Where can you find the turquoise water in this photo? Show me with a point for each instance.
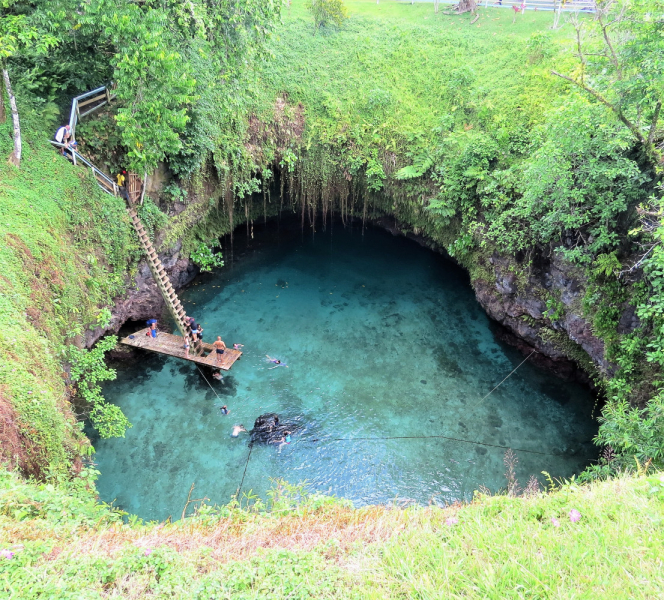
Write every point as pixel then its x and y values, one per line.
pixel 383 339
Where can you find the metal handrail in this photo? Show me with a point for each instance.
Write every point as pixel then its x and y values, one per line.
pixel 76 157
pixel 74 114
pixel 589 6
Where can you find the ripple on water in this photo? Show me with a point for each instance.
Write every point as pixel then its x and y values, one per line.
pixel 384 344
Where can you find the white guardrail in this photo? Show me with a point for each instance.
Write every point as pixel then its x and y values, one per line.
pixel 550 5
pixel 103 180
pixel 94 100
pixel 99 97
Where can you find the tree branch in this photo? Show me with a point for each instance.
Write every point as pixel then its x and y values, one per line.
pixel 607 39
pixel 595 94
pixel 653 124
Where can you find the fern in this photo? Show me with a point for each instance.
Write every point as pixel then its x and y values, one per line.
pixel 421 164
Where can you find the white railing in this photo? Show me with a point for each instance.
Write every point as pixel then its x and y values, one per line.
pixel 557 5
pixel 103 180
pixel 99 97
pixel 93 100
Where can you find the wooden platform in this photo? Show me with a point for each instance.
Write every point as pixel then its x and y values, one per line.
pixel 167 343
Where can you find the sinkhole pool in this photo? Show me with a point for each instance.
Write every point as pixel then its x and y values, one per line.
pixel 388 355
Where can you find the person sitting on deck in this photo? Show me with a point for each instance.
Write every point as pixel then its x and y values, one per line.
pixel 152 327
pixel 237 429
pixel 219 347
pixel 186 347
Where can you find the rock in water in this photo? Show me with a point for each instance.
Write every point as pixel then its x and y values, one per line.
pixel 268 428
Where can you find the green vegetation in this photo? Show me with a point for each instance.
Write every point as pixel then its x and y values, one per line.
pixel 66 248
pixel 601 541
pixel 464 134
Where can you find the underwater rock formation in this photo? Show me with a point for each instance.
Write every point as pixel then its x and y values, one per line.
pixel 269 429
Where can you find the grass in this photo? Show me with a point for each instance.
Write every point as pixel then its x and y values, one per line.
pixel 396 68
pixel 64 253
pixel 495 547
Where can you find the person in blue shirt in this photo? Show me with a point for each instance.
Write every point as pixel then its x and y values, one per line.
pixel 284 440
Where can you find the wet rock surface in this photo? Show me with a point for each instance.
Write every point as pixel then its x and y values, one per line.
pixel 520 307
pixel 143 299
pixel 269 429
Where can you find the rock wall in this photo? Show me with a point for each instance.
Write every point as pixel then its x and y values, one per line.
pixel 514 295
pixel 143 299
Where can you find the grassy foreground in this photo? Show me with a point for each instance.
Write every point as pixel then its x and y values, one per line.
pixel 597 541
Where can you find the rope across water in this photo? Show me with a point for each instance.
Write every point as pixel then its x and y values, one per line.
pixel 421 437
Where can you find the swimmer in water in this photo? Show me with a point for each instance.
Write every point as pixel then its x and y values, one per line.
pixel 284 440
pixel 224 410
pixel 238 346
pixel 276 362
pixel 237 430
pixel 218 376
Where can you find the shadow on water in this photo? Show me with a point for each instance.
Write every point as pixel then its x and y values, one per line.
pixel 388 356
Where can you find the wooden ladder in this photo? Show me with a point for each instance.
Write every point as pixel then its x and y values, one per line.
pixel 159 274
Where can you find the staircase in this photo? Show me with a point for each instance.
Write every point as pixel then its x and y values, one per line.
pixel 94 100
pixel 158 272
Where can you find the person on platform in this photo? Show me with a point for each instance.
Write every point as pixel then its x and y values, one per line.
pixel 193 327
pixel 219 348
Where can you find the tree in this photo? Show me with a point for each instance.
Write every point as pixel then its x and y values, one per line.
pixel 325 12
pixel 620 56
pixel 17 31
pixel 156 49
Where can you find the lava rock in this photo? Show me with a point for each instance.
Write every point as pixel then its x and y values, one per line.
pixel 268 428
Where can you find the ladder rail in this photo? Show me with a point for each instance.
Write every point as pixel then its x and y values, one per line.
pixel 109 186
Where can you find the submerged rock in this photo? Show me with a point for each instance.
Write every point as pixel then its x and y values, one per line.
pixel 268 428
